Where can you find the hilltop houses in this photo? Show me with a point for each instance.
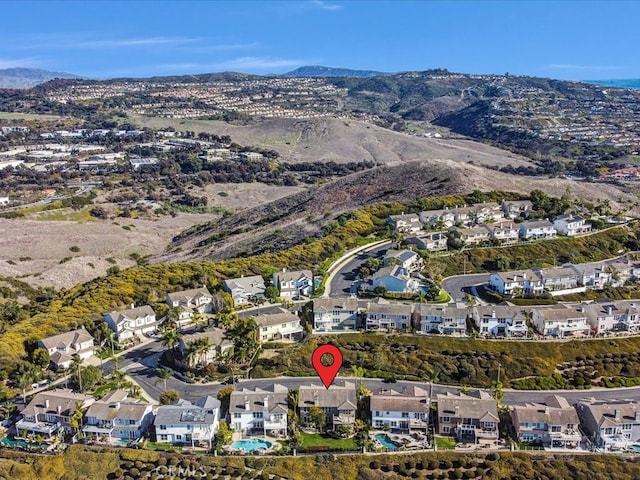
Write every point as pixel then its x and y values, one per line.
pixel 409 223
pixel 133 323
pixel 338 402
pixel 611 426
pixel 469 418
pixel 245 290
pixel 257 411
pixel 63 347
pixel 202 348
pixel 294 284
pixel 571 225
pixel 537 229
pixel 281 325
pixel 335 314
pixel 190 301
pixel 553 424
pixel 401 411
pixel 188 423
pixel 118 417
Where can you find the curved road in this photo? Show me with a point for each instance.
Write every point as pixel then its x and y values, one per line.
pixel 342 278
pixel 460 285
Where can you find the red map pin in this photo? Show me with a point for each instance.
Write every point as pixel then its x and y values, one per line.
pixel 327 372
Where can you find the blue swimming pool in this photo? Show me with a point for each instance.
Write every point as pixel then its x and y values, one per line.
pixel 10 442
pixel 251 445
pixel 386 442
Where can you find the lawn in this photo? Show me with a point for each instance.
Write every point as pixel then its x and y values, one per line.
pixel 445 443
pixel 314 440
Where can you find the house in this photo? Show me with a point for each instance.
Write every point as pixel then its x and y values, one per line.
pixel 613 316
pixel 188 423
pixel 402 411
pixel 409 223
pixel 115 417
pixel 571 225
pixel 504 232
pixel 335 314
pixel 202 348
pixel 132 323
pixel 442 319
pixel 517 208
pixel 517 282
pixel 470 418
pixel 431 242
pixel 406 259
pixel 190 301
pixel 500 320
pixel 537 229
pixel 471 236
pixel 280 325
pixel 594 276
pixel 259 411
pixel 558 280
pixel 486 212
pixel 393 279
pixel 338 402
pixel 63 347
pixel 381 314
pixel 553 424
pixel 612 426
pixel 445 218
pixel 294 284
pixel 560 321
pixel 244 290
pixel 48 413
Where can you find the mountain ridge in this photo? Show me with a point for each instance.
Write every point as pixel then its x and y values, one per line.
pixel 322 71
pixel 21 78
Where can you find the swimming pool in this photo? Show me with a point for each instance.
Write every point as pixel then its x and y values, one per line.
pixel 386 442
pixel 251 445
pixel 9 442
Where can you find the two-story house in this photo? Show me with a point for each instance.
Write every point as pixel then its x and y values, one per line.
pixel 518 282
pixel 131 323
pixel 611 426
pixel 571 225
pixel 432 242
pixel 517 208
pixel 383 315
pixel 441 319
pixel 201 348
pixel 338 402
pixel 63 347
pixel 537 229
pixel 503 232
pixel 403 410
pixel 470 418
pixel 117 417
pixel 486 212
pixel 555 280
pixel 259 411
pixel 335 314
pixel 405 223
pixel 500 320
pixel 244 290
pixel 279 325
pixel 561 321
pixel 472 235
pixel 294 284
pixel 553 424
pixel 188 423
pixel 442 218
pixel 393 279
pixel 406 259
pixel 48 413
pixel 190 301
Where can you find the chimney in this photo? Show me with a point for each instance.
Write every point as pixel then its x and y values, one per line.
pixel 609 310
pixel 457 410
pixel 116 405
pixel 59 409
pixel 133 305
pixel 266 403
pixel 616 414
pixel 246 404
pixel 636 415
pixel 546 410
pixel 46 403
pixel 493 314
pixel 524 276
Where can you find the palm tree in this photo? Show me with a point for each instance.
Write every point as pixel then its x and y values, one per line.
pixel 171 320
pixel 76 365
pixel 171 339
pixel 198 320
pixel 244 337
pixel 118 377
pixel 75 420
pixel 165 373
pixel 197 351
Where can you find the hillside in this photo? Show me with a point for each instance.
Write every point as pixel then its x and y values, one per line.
pixel 28 77
pixel 320 71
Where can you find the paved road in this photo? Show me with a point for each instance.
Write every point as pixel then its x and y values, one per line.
pixel 345 275
pixel 460 285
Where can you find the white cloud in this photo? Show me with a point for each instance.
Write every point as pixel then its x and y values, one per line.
pixel 222 47
pixel 325 6
pixel 132 42
pixel 566 66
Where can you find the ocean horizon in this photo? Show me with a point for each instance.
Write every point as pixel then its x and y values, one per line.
pixel 622 83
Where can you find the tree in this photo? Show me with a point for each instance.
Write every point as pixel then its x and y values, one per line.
pixel 171 339
pixel 164 373
pixel 90 376
pixel 498 393
pixel 40 357
pixel 197 351
pixel 244 337
pixel 223 435
pixel 272 293
pixel 76 365
pixel 318 418
pixel 502 263
pixel 169 397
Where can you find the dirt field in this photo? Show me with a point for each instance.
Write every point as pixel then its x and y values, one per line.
pixel 340 140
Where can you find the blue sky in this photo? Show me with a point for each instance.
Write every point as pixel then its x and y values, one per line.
pixel 559 39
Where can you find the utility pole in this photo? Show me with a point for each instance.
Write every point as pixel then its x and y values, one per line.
pixel 499 365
